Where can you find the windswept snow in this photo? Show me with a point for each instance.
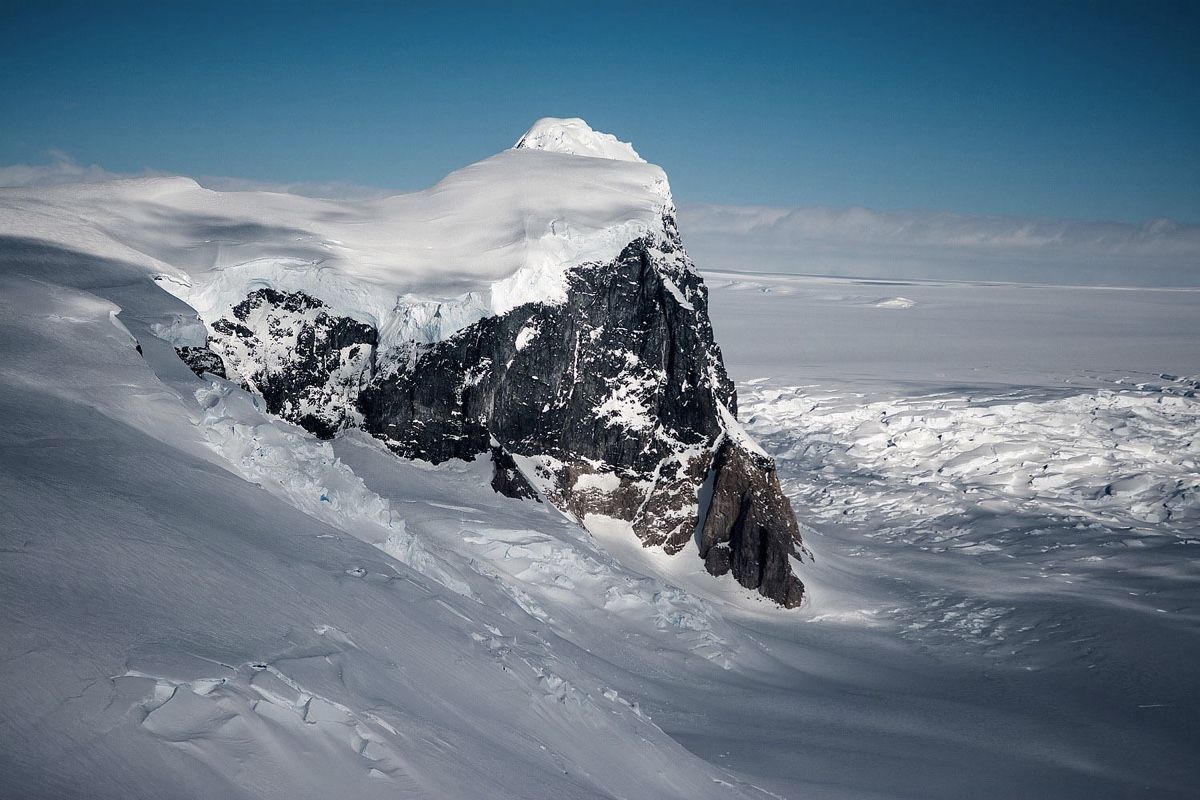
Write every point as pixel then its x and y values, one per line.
pixel 418 266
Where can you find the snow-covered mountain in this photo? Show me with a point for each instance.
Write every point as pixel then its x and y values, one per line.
pixel 537 306
pixel 207 600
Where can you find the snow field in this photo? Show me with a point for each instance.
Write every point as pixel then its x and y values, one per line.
pixel 192 607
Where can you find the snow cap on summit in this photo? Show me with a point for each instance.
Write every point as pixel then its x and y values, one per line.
pixel 575 137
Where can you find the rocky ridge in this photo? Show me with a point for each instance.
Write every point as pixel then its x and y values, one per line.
pixel 613 404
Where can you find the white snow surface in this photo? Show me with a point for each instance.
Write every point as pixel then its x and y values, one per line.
pixel 419 266
pixel 204 601
pixel 575 137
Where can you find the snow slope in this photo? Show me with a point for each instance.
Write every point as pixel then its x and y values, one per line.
pixel 202 601
pixel 417 266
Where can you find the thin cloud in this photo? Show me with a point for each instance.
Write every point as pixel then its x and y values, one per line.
pixel 855 242
pixel 914 244
pixel 62 169
pixel 328 190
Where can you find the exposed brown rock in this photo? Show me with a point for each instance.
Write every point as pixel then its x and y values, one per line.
pixel 750 529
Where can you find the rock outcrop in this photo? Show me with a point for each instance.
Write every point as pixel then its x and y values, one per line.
pixel 201 360
pixel 613 395
pixel 614 404
pixel 308 365
pixel 608 399
pixel 747 515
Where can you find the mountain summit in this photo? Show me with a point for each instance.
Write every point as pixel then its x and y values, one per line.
pixel 575 137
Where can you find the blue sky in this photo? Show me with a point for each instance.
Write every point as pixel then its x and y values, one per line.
pixel 1072 110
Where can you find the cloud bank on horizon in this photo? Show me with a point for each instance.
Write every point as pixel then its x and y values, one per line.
pixel 860 242
pixel 850 242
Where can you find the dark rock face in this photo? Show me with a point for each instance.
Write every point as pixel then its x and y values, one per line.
pixel 507 478
pixel 308 365
pixel 747 513
pixel 200 360
pixel 614 403
pixel 623 379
